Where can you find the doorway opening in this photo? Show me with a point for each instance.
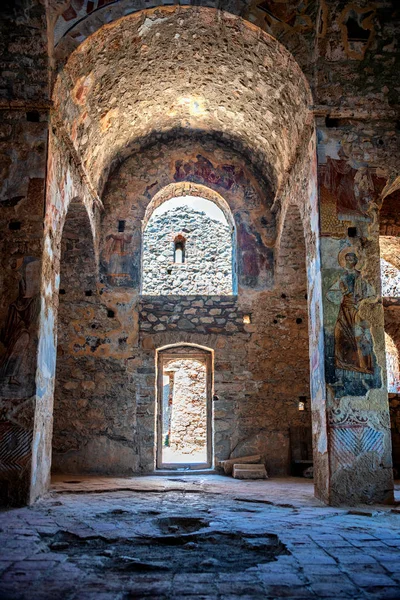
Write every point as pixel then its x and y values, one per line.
pixel 184 416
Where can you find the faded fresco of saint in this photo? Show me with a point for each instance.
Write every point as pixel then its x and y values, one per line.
pixel 21 318
pixel 116 253
pixel 352 338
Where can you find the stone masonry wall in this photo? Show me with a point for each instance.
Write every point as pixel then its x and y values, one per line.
pixel 207 266
pixel 260 368
pixel 189 407
pixel 202 314
pixel 390 278
pixel 24 106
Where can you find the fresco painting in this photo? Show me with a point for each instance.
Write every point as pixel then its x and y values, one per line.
pixel 16 444
pixel 352 435
pixel 117 260
pixel 19 332
pixel 350 362
pixel 353 345
pixel 201 170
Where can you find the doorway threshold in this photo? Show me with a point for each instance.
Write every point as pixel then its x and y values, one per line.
pixel 184 471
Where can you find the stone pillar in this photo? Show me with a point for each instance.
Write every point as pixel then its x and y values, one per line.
pixel 359 446
pixel 24 112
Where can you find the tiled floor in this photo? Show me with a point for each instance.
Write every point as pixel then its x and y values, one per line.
pixel 200 537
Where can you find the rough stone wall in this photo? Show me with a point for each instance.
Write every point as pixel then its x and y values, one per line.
pixel 232 102
pixel 204 162
pixel 389 223
pixel 203 314
pixel 355 101
pixel 189 407
pixel 24 105
pixel 390 278
pixel 79 420
pixel 261 368
pixel 207 266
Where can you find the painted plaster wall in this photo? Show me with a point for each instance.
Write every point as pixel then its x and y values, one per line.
pixel 64 184
pixel 23 153
pixel 354 358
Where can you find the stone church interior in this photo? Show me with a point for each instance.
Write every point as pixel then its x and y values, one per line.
pixel 200 299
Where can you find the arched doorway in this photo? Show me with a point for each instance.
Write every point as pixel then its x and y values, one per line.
pixel 389 243
pixel 188 135
pixel 77 419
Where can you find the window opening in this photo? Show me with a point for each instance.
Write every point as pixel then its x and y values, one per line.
pixel 188 249
pixel 179 250
pixel 392 366
pixel 390 266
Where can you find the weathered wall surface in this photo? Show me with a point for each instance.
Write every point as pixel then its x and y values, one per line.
pixel 261 368
pixel 79 420
pixel 209 164
pixel 358 148
pixel 350 55
pixel 64 184
pixel 24 105
pixel 240 105
pixel 188 416
pixel 203 314
pixel 207 248
pixel 353 315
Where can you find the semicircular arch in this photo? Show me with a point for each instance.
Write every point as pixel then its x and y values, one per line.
pixel 133 79
pixel 183 189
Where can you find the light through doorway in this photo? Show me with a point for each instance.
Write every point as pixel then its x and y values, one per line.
pixel 184 408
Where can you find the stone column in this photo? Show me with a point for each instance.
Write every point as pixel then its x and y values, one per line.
pixel 359 445
pixel 24 115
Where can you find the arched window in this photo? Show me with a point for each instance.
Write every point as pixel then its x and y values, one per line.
pixel 188 248
pixel 392 365
pixel 179 250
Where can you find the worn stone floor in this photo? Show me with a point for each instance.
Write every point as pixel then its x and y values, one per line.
pixel 196 536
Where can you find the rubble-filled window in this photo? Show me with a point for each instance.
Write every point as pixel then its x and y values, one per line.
pixel 188 249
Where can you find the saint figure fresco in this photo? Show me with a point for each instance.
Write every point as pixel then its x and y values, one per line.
pixel 116 253
pixel 352 339
pixel 21 318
